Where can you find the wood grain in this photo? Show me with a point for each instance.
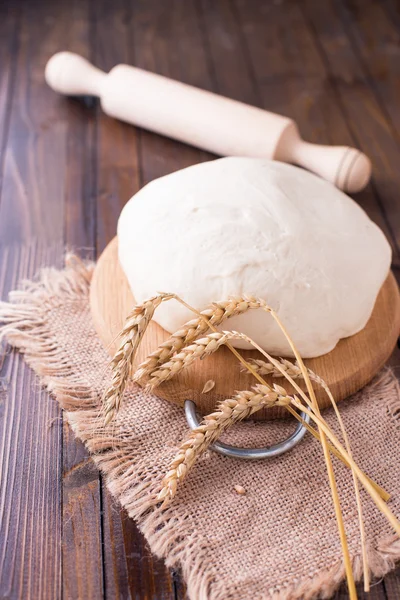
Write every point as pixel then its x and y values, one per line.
pixel 82 536
pixel 346 369
pixel 82 520
pixel 34 165
pixel 131 571
pixel 377 50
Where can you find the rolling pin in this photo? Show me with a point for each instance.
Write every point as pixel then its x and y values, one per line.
pixel 203 119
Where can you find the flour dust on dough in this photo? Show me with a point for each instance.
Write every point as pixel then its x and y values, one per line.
pixel 242 225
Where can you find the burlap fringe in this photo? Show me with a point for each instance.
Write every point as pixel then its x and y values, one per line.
pixel 25 326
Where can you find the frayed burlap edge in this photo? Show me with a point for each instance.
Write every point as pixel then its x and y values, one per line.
pixel 25 325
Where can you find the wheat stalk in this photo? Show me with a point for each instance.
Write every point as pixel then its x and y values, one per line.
pixel 211 317
pixel 325 448
pixel 264 368
pixel 228 412
pixel 121 365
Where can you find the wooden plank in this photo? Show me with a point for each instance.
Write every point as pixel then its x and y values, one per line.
pixel 136 572
pixel 30 459
pixel 147 574
pixel 179 587
pixel 82 536
pixel 31 480
pixel 9 30
pixel 33 183
pixel 232 72
pixel 375 40
pixel 117 143
pixel 367 122
pixel 391 8
pixel 280 46
pixel 46 165
pixel 115 561
pixel 166 39
pixel 82 539
pixel 81 158
pixel 129 569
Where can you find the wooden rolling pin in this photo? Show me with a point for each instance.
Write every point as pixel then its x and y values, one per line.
pixel 214 123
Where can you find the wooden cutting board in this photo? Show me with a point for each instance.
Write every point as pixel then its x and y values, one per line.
pixel 346 369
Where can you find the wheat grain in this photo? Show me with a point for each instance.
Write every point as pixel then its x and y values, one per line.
pixel 208 386
pixel 121 364
pixel 214 315
pixel 228 412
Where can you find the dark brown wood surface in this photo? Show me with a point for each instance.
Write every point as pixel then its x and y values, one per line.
pixel 66 170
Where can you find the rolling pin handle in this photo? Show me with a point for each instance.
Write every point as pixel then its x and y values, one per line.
pixel 71 74
pixel 347 168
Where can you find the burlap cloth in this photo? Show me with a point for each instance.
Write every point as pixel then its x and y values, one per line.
pixel 279 540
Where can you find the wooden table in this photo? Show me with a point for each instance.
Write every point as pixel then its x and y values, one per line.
pixel 66 170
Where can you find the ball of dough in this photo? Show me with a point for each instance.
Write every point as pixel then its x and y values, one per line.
pixel 242 225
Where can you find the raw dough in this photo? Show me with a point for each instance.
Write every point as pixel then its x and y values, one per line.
pixel 243 225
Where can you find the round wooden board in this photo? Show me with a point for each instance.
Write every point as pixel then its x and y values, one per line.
pixel 346 369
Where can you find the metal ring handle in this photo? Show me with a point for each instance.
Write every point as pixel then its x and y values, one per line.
pixel 249 453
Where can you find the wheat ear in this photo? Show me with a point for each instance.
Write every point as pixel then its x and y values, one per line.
pixel 228 412
pixel 264 368
pixel 208 345
pixel 186 356
pixel 214 315
pixel 130 337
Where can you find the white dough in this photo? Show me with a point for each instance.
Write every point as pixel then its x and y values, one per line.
pixel 243 225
